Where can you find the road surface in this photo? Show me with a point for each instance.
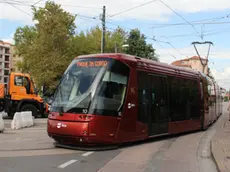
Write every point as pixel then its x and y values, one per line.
pixel 31 150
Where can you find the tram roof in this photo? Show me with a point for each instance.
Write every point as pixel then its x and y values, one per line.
pixel 136 59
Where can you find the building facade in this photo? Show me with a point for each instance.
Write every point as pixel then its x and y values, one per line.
pixel 193 63
pixel 15 60
pixel 5 61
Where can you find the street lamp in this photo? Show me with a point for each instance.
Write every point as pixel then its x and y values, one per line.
pixel 123 46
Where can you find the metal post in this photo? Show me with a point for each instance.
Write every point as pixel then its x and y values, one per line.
pixel 103 31
pixel 115 47
pixel 204 64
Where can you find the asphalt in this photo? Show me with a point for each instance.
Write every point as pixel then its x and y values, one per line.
pixel 51 163
pixel 31 149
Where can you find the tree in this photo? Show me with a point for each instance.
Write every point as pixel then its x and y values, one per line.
pixel 138 46
pixel 115 40
pixel 44 46
pixel 52 43
pixel 90 41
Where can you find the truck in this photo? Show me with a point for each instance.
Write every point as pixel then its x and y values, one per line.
pixel 20 94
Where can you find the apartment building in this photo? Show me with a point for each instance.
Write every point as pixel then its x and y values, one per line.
pixel 15 60
pixel 193 63
pixel 5 61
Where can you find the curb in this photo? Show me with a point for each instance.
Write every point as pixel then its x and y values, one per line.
pixel 214 159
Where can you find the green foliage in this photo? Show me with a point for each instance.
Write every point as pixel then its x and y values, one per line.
pixel 44 46
pixel 139 47
pixel 51 44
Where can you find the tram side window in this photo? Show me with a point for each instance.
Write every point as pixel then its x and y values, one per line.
pixel 184 99
pixel 210 99
pixel 143 99
pixel 110 95
pixel 201 91
pixel 194 98
pixel 175 100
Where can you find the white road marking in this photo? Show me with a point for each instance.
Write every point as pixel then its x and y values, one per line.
pixel 87 154
pixel 67 163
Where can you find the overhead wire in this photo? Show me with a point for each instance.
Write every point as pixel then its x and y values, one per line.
pixel 94 18
pixel 132 8
pixel 167 51
pixel 216 32
pixel 37 2
pixel 18 8
pixel 181 17
pixel 195 22
pixel 200 23
pixel 29 3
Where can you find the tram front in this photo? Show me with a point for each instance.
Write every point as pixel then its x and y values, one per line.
pixel 88 102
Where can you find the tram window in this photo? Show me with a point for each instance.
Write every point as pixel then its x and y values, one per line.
pixel 175 100
pixel 184 97
pixel 153 97
pixel 143 99
pixel 111 91
pixel 201 91
pixel 194 98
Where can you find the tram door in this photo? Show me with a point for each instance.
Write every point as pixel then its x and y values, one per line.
pixel 159 106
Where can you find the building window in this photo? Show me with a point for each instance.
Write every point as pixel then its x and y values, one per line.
pixel 7 51
pixel 7 58
pixel 7 65
pixel 6 72
pixel 5 79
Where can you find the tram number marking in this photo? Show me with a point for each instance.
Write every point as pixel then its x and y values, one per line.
pixel 85 111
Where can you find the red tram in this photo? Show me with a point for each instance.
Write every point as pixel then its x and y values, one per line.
pixel 117 98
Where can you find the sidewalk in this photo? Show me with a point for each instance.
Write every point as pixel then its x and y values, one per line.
pixel 33 138
pixel 220 147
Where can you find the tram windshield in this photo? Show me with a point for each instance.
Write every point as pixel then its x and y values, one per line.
pixel 92 85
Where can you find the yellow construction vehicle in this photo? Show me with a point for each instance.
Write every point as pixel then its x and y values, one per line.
pixel 20 94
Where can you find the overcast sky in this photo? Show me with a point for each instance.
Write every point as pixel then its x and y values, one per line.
pixel 153 18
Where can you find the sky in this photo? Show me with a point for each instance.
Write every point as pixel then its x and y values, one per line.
pixel 169 25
